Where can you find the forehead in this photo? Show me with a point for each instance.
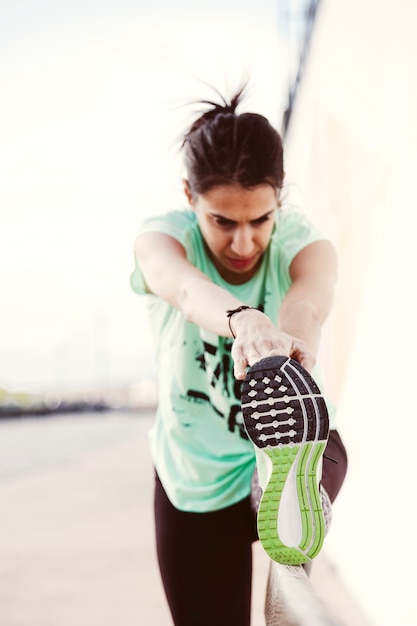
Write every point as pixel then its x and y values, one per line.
pixel 236 202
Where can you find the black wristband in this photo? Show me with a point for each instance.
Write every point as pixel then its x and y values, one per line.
pixel 232 312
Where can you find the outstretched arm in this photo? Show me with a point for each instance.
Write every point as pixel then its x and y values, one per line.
pixel 310 297
pixel 305 307
pixel 169 275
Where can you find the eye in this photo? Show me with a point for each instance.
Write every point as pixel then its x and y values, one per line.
pixel 261 220
pixel 224 222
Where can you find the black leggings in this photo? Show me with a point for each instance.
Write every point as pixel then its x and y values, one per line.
pixel 205 559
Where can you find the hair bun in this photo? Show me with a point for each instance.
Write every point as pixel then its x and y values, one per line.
pixel 225 148
pixel 216 109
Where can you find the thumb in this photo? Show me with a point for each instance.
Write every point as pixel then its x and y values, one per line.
pixel 240 368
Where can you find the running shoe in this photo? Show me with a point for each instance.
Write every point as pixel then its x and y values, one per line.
pixel 286 419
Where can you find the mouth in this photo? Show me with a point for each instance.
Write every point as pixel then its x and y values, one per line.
pixel 242 263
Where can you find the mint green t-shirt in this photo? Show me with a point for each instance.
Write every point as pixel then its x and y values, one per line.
pixel 198 442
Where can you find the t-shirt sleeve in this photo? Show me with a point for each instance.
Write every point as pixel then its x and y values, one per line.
pixel 176 224
pixel 293 233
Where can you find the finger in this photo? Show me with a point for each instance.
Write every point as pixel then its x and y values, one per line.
pixel 276 352
pixel 282 347
pixel 304 357
pixel 308 362
pixel 240 364
pixel 253 358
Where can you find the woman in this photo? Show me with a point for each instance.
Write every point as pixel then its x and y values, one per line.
pixel 230 281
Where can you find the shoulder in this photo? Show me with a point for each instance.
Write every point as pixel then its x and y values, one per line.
pixel 178 224
pixel 294 231
pixel 292 223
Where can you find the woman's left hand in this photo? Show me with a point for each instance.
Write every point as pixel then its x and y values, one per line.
pixel 257 337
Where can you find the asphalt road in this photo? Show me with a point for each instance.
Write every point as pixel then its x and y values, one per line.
pixel 76 527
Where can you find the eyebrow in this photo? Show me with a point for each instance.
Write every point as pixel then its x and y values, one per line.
pixel 258 219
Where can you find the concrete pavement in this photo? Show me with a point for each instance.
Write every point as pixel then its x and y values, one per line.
pixel 76 528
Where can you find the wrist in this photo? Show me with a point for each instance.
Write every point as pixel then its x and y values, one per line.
pixel 233 314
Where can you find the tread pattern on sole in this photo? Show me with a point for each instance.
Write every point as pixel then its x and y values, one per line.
pixel 286 417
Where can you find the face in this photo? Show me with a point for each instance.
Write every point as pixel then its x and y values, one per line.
pixel 236 224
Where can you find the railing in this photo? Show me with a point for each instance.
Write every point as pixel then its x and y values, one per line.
pixel 291 599
pixel 297 19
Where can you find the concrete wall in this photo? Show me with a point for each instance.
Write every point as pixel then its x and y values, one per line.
pixel 351 160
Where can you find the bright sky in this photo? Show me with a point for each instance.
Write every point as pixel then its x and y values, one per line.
pixel 90 109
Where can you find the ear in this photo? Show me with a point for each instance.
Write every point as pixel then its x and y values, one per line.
pixel 188 192
pixel 280 198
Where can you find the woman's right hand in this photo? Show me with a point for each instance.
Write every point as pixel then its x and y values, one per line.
pixel 257 337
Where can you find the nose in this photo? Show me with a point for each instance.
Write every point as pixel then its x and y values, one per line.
pixel 242 243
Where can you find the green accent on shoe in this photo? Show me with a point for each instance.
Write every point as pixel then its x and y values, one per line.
pixel 312 521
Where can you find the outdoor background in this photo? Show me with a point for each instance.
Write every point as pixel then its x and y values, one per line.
pixel 94 99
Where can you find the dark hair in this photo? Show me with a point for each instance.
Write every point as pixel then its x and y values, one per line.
pixel 223 147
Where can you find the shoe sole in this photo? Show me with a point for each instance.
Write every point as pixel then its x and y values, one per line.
pixel 286 418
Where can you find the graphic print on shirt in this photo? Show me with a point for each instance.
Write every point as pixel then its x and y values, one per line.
pixel 224 390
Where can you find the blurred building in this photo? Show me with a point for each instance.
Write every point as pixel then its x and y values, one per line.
pixel 351 147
